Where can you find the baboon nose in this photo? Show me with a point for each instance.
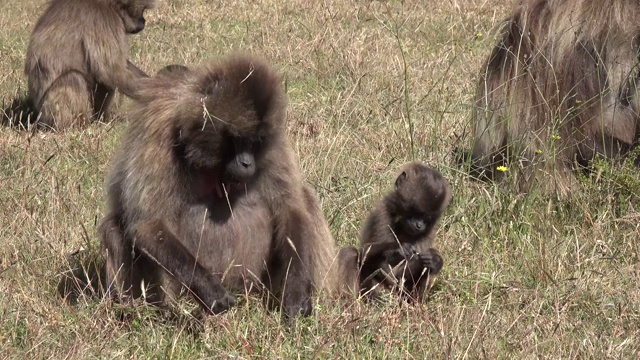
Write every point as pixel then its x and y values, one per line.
pixel 246 163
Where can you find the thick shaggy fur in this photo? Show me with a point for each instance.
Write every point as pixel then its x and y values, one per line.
pixel 77 58
pixel 190 223
pixel 559 88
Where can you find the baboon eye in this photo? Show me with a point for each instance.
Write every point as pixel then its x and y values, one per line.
pixel 260 139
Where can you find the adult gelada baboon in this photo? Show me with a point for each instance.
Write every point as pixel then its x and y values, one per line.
pixel 559 88
pixel 396 241
pixel 206 194
pixel 78 56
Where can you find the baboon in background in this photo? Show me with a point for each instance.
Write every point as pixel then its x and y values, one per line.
pixel 206 195
pixel 396 241
pixel 78 56
pixel 559 88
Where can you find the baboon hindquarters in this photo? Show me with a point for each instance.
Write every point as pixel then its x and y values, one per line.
pixel 65 104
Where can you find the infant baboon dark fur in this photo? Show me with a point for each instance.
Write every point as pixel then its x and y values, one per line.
pixel 206 194
pixel 78 56
pixel 559 88
pixel 396 241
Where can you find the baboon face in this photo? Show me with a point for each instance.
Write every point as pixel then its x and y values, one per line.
pixel 132 13
pixel 230 145
pixel 420 195
pixel 240 163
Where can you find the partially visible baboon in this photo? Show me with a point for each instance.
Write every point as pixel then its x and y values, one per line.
pixel 396 241
pixel 78 56
pixel 206 194
pixel 559 88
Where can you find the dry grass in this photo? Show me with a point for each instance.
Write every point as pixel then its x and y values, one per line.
pixel 371 85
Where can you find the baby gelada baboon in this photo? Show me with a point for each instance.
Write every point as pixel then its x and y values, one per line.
pixel 206 194
pixel 396 241
pixel 78 56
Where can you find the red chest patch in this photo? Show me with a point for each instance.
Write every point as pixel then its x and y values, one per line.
pixel 210 184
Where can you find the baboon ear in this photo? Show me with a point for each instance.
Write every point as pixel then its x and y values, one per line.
pixel 401 179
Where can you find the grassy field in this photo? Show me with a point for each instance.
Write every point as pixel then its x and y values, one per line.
pixel 371 85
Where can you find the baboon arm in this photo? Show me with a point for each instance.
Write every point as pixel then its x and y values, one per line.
pixel 155 240
pixel 136 70
pixel 108 61
pixel 374 256
pixel 122 77
pixel 118 254
pixel 294 238
pixel 376 252
pixel 379 247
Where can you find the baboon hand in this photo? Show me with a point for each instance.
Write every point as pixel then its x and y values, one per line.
pixel 297 303
pixel 431 260
pixel 222 304
pixel 408 250
pixel 404 252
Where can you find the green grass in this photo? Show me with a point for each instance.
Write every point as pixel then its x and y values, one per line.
pixel 371 85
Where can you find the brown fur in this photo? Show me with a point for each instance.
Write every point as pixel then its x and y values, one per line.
pixel 182 200
pixel 173 70
pixel 396 241
pixel 559 88
pixel 77 58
